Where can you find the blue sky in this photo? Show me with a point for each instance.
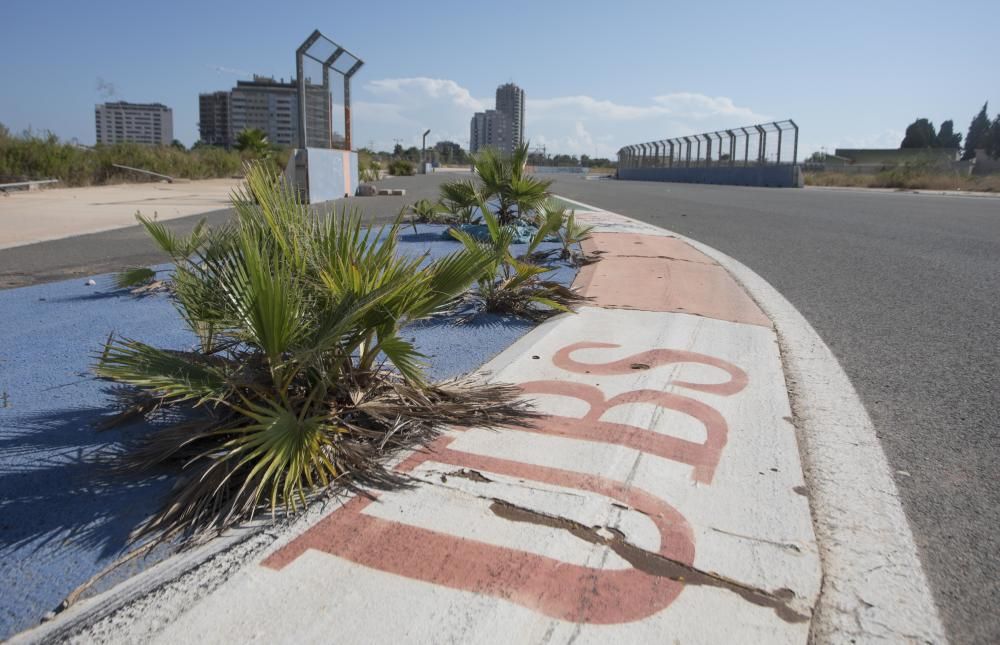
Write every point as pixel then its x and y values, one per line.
pixel 597 75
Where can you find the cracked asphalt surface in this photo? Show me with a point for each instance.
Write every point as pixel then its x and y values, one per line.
pixel 902 287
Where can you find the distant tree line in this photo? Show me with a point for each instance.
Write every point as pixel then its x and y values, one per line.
pixel 571 161
pixel 982 133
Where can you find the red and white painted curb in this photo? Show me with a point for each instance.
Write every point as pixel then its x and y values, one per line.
pixel 662 499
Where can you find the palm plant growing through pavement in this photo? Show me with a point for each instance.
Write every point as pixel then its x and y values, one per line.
pixel 288 392
pixel 510 285
pixel 424 211
pixel 572 235
pixel 503 182
pixel 506 195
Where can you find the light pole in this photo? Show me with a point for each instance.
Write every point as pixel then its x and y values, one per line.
pixel 423 153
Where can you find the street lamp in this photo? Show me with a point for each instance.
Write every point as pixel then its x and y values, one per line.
pixel 423 153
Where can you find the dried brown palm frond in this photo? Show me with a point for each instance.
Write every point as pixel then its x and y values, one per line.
pixel 368 423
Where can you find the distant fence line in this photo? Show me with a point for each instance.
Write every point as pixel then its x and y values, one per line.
pixel 542 170
pixel 771 143
pixel 765 154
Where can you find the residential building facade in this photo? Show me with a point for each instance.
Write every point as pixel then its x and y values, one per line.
pixel 510 101
pixel 270 106
pixel 213 119
pixel 489 129
pixel 265 104
pixel 503 127
pixel 146 123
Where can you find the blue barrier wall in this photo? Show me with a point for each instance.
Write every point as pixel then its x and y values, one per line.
pixel 779 176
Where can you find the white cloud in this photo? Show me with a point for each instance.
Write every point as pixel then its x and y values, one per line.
pixel 428 89
pixel 699 106
pixel 588 107
pixel 404 107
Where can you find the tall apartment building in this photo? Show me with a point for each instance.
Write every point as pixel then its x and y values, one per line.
pixel 503 127
pixel 120 122
pixel 213 119
pixel 489 129
pixel 265 104
pixel 510 101
pixel 270 106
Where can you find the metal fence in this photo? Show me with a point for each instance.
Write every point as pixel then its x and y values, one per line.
pixel 774 143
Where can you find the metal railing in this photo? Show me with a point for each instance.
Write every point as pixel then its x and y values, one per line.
pixel 774 143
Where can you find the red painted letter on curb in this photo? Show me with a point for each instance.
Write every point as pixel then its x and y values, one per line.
pixel 650 359
pixel 558 589
pixel 704 458
pixel 555 588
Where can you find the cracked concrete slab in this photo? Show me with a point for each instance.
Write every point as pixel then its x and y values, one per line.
pixel 691 287
pixel 641 245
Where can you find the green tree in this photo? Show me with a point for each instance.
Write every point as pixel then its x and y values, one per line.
pixel 920 134
pixel 947 137
pixel 994 141
pixel 253 142
pixel 979 133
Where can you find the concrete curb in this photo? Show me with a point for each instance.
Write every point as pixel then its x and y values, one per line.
pixel 874 586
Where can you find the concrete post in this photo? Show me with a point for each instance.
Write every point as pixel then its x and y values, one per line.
pixel 795 147
pixel 778 160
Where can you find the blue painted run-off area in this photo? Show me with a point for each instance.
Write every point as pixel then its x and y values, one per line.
pixel 62 519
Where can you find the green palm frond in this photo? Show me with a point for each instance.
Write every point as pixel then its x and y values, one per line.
pixel 550 221
pixel 461 193
pixel 134 277
pixel 284 453
pixel 177 247
pixel 172 375
pixel 403 356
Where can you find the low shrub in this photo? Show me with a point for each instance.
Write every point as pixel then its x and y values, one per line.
pixel 44 156
pixel 904 178
pixel 401 167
